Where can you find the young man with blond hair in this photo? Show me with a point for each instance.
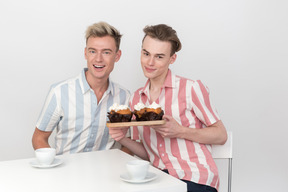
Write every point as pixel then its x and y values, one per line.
pixel 76 108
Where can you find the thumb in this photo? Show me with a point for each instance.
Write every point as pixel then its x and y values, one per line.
pixel 167 117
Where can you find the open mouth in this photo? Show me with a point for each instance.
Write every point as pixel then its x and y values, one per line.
pixel 98 66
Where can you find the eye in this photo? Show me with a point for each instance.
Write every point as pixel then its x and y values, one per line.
pixel 107 52
pixel 92 51
pixel 159 57
pixel 145 53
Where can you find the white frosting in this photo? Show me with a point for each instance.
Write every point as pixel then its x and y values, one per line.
pixel 117 107
pixel 139 106
pixel 122 107
pixel 154 105
pixel 113 107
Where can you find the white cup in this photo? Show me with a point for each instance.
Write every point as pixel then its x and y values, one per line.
pixel 45 156
pixel 137 169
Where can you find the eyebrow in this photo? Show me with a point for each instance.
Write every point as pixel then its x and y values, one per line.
pixel 158 54
pixel 90 48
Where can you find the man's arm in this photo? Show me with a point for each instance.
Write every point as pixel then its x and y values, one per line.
pixel 213 134
pixel 135 147
pixel 126 150
pixel 40 139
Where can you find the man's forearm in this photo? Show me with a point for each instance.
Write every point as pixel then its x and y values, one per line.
pixel 40 144
pixel 135 147
pixel 40 139
pixel 214 134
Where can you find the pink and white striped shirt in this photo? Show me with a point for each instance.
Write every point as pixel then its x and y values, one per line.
pixel 188 102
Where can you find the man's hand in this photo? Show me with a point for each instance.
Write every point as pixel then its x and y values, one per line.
pixel 170 129
pixel 118 133
pixel 212 134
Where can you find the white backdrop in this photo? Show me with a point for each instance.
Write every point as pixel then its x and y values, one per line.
pixel 238 48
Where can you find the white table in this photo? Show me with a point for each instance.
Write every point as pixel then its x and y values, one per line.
pixel 93 171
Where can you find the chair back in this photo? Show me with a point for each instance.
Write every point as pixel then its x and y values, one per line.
pixel 225 152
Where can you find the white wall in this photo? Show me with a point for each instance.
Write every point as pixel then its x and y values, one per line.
pixel 238 48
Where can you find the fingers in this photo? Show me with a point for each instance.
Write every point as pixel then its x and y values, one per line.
pixel 158 126
pixel 118 133
pixel 167 117
pixel 118 137
pixel 163 134
pixel 161 130
pixel 117 129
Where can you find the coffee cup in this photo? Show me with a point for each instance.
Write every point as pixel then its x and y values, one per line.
pixel 137 169
pixel 45 156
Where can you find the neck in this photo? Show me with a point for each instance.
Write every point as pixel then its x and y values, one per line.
pixel 157 83
pixel 99 86
pixel 155 87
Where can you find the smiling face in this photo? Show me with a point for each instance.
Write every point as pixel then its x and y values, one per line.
pixel 155 58
pixel 101 54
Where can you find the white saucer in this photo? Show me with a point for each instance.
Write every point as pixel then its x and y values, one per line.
pixel 149 177
pixel 56 162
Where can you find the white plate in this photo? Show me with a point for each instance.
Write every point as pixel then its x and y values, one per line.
pixel 56 162
pixel 149 177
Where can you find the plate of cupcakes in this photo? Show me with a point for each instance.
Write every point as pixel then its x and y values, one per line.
pixel 121 115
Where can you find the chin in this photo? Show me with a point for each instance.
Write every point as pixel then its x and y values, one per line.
pixel 148 75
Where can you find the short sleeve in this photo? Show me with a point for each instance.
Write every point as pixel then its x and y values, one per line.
pixel 50 115
pixel 202 105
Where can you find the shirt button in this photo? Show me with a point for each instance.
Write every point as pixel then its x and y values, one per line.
pixel 162 154
pixel 92 135
pixel 160 145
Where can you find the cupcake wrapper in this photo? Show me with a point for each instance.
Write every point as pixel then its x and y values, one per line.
pixel 149 116
pixel 142 118
pixel 116 117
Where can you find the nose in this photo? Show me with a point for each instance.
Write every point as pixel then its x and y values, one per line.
pixel 98 57
pixel 151 61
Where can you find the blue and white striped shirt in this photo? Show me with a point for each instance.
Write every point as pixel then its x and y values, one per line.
pixel 71 107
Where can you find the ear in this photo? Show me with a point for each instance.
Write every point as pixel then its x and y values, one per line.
pixel 118 55
pixel 173 58
pixel 85 53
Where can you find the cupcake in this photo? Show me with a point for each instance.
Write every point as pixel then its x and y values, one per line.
pixel 119 113
pixel 139 112
pixel 154 112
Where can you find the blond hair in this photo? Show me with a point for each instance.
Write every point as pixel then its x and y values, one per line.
pixel 102 29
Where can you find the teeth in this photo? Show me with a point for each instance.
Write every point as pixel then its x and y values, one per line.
pixel 97 66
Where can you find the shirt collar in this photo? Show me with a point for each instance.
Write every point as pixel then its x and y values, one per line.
pixel 110 88
pixel 83 81
pixel 86 87
pixel 168 83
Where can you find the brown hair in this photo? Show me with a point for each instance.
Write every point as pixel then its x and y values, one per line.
pixel 102 29
pixel 164 33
